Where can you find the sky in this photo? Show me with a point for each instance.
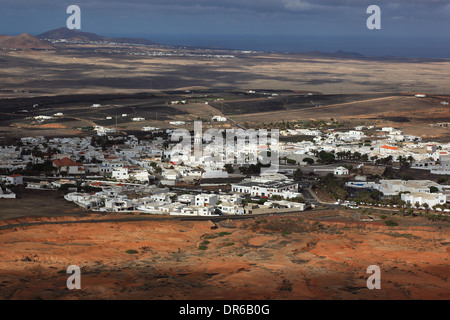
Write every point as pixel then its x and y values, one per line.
pixel 408 27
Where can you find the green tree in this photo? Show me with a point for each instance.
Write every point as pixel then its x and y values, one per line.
pixel 326 157
pixel 291 161
pixel 229 168
pixel 433 189
pixel 309 161
pixel 376 195
pixel 298 173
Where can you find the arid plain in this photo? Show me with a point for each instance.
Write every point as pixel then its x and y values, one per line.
pixel 303 256
pixel 357 89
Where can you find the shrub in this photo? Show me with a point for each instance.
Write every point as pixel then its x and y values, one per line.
pixel 391 223
pixel 131 251
pixel 223 233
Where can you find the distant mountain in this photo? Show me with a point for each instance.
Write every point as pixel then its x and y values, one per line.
pixel 24 41
pixel 341 53
pixel 69 35
pixel 80 36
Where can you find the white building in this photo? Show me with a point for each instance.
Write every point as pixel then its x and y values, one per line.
pixel 286 204
pixel 197 211
pixel 14 179
pixel 421 197
pixel 119 204
pixel 177 123
pixel 219 119
pixel 120 174
pixel 103 131
pixel 7 194
pixel 394 187
pixel 147 129
pixel 205 200
pixel 140 175
pixel 341 171
pixel 152 207
pixel 84 200
pixel 171 174
pixel 230 208
pixel 285 189
pixel 186 199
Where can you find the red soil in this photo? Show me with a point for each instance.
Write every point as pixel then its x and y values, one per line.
pixel 273 258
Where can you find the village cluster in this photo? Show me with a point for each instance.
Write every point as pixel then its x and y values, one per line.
pixel 116 173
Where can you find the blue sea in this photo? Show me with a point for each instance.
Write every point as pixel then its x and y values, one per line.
pixel 414 47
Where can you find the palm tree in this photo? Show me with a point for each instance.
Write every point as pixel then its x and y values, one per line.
pixel 410 159
pixel 417 205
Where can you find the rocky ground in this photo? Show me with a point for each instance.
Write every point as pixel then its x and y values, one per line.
pixel 276 258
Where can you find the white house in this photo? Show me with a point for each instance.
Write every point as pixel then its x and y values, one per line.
pixel 230 198
pixel 421 197
pixel 163 197
pixel 197 211
pixel 206 200
pixel 266 189
pixel 172 209
pixel 119 204
pixel 153 207
pixel 14 179
pixel 219 119
pixel 186 199
pixel 7 194
pixel 171 174
pixel 177 123
pixel 341 171
pixel 286 204
pixel 120 173
pixel 149 129
pixel 84 200
pixel 394 187
pixel 140 175
pixel 230 208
